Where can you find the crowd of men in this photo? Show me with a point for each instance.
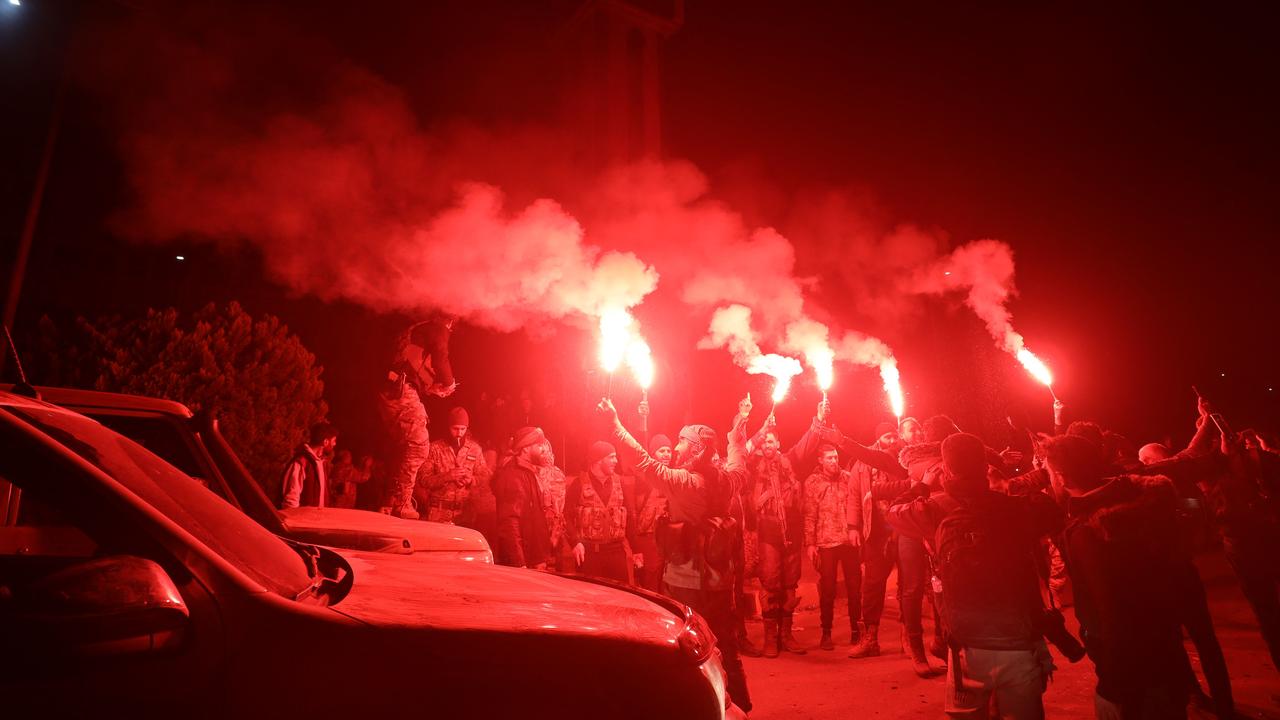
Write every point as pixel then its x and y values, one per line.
pixel 997 541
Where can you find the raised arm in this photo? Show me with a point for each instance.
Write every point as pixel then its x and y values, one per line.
pixel 669 477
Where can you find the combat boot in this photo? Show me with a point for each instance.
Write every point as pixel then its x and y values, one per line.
pixel 746 647
pixel 406 511
pixel 919 658
pixel 770 638
pixel 855 632
pixel 869 644
pixel 825 643
pixel 787 640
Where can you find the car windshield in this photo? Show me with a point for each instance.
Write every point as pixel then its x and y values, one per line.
pixel 262 556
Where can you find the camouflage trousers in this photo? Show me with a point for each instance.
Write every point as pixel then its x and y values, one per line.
pixel 406 420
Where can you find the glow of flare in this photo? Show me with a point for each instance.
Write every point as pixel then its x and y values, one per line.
pixel 615 337
pixel 640 360
pixel 893 387
pixel 821 359
pixel 781 367
pixel 1035 366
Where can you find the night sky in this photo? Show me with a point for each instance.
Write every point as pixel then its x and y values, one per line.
pixel 1128 156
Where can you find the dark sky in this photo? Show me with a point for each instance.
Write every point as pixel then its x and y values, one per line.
pixel 1128 155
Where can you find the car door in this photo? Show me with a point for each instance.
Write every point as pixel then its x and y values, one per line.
pixel 96 616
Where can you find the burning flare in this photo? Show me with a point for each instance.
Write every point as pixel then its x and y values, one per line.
pixel 781 367
pixel 640 360
pixel 1035 366
pixel 615 337
pixel 821 359
pixel 893 387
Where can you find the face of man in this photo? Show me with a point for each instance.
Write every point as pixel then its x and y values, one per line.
pixel 830 462
pixel 887 440
pixel 538 454
pixel 912 433
pixel 681 451
pixel 606 465
pixel 457 432
pixel 663 454
pixel 326 448
pixel 769 447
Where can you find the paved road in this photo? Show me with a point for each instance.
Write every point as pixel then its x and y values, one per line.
pixel 829 685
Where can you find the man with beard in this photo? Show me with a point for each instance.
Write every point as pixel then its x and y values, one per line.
pixel 651 505
pixel 454 465
pixel 304 482
pixel 523 537
pixel 777 502
pixel 419 367
pixel 599 517
pixel 698 538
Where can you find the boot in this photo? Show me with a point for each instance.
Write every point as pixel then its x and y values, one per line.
pixel 406 511
pixel 869 644
pixel 855 632
pixel 825 643
pixel 746 647
pixel 787 640
pixel 919 658
pixel 770 638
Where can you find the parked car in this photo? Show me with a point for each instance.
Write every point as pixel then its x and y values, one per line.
pixel 194 445
pixel 129 589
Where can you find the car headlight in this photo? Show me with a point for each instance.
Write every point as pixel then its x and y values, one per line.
pixel 696 639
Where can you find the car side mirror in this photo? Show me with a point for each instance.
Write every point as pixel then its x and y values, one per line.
pixel 106 606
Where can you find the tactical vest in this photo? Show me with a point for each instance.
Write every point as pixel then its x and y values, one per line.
pixel 600 521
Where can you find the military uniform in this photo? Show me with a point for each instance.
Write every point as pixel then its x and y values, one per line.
pixel 599 513
pixel 445 499
pixel 420 364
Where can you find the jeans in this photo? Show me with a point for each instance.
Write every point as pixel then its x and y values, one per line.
pixel 913 576
pixel 879 557
pixel 843 558
pixel 1014 679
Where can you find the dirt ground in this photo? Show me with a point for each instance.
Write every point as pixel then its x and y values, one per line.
pixel 827 684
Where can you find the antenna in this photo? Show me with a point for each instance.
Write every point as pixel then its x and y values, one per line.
pixel 22 387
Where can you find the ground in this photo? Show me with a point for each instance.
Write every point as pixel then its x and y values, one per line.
pixel 827 684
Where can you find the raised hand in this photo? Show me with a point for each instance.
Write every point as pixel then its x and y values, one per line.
pixel 606 408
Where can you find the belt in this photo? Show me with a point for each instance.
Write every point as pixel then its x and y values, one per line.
pixel 445 504
pixel 599 546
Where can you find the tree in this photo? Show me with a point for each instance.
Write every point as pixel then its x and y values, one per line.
pixel 261 381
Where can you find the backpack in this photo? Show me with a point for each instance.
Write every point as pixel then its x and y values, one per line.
pixel 984 562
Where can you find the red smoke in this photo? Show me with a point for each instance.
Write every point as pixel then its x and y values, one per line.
pixel 347 195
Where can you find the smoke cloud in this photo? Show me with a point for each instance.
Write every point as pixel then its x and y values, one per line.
pixel 983 270
pixel 331 174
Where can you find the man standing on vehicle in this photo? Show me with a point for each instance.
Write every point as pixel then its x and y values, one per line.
pixel 453 466
pixel 523 537
pixel 419 367
pixel 698 538
pixel 599 516
pixel 304 482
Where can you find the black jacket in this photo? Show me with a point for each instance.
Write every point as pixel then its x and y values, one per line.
pixel 1123 553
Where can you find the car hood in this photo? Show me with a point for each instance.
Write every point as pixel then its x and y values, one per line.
pixel 312 522
pixel 390 590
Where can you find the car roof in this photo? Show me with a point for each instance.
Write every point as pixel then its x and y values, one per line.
pixel 102 400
